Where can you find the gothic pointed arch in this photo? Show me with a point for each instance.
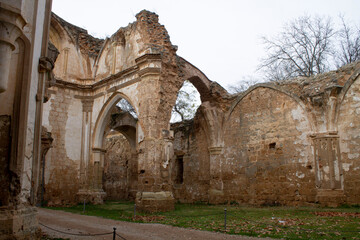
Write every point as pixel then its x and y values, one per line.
pixel 275 88
pixel 100 128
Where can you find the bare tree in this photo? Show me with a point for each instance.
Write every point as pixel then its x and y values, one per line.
pixel 349 44
pixel 303 48
pixel 243 84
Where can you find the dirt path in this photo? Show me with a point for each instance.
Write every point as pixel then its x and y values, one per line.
pixel 80 224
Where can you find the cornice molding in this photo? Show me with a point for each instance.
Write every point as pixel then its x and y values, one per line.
pixel 118 80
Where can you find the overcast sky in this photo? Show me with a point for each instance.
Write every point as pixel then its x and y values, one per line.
pixel 220 37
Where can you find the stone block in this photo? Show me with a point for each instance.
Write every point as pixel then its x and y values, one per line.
pixel 18 224
pixel 155 201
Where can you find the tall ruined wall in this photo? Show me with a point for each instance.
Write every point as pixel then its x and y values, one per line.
pixel 291 142
pixel 191 147
pixel 137 63
pixel 23 30
pixel 294 142
pixel 267 157
pixel 349 131
pixel 62 119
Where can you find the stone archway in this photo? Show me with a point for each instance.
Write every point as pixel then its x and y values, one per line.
pixel 92 148
pixel 197 78
pixel 119 177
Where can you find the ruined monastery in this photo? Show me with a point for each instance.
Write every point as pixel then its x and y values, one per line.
pixel 64 139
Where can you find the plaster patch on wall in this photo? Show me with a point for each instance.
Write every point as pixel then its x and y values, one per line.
pixel 26 179
pixel 343 144
pixel 300 174
pixel 356 98
pixel 346 166
pixel 48 166
pixel 302 126
pixel 45 118
pixel 73 130
pixel 140 134
pixel 353 155
pixel 131 90
pixel 98 104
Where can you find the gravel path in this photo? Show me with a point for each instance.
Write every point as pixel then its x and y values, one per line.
pixel 80 224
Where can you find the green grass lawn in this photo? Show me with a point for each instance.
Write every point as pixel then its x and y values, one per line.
pixel 274 222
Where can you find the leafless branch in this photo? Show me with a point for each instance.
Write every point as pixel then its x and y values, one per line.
pixel 301 49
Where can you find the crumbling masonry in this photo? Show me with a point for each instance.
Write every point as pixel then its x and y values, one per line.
pixel 63 139
pixel 294 142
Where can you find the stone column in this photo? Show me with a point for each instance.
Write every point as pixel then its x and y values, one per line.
pixel 11 27
pixel 154 191
pixel 213 127
pixel 87 105
pixel 46 144
pixel 326 147
pixel 216 192
pixel 89 171
pixel 66 59
pixel 113 68
pixel 96 190
pixel 90 168
pixel 331 98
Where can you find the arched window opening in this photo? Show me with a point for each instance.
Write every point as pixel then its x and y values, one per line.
pixel 187 102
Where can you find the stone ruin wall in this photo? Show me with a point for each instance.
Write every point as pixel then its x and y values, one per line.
pixel 190 144
pixel 86 71
pixel 349 131
pixel 267 156
pixel 62 119
pixel 263 160
pixel 25 65
pixel 268 152
pixel 255 148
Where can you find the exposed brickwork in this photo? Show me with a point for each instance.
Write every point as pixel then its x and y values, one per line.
pixel 293 142
pixel 63 179
pixel 266 153
pixel 88 44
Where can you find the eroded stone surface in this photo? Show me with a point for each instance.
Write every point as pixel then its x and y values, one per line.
pixel 293 142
